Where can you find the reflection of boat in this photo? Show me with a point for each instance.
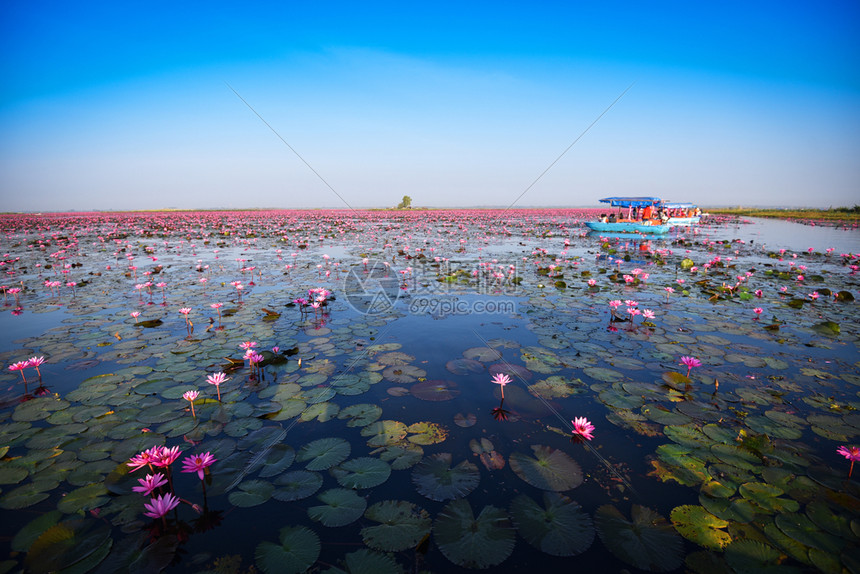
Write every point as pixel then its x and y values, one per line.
pixel 646 223
pixel 688 209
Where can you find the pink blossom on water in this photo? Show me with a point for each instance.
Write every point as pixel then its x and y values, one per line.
pixel 583 428
pixel 150 483
pixel 160 505
pixel 197 463
pixel 690 362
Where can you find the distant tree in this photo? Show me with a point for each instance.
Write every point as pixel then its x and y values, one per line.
pixel 406 203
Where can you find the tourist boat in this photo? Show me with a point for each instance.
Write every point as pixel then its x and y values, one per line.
pixel 647 206
pixel 688 210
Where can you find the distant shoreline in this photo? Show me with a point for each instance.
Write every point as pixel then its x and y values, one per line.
pixel 806 214
pixel 833 214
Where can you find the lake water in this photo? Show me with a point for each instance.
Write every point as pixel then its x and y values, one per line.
pixel 373 439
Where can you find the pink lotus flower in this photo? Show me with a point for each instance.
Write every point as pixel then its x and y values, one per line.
pixel 852 453
pixel 36 362
pixel 190 396
pixel 166 456
pixel 216 379
pixel 814 295
pixel 582 429
pixel 150 483
pixel 690 362
pixel 135 314
pixel 247 345
pixel 502 379
pixel 592 282
pixel 758 311
pixel 759 293
pixel 19 366
pixel 161 505
pixel 145 458
pixel 648 314
pixel 197 463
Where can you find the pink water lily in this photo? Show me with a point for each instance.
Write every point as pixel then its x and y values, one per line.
pixel 582 428
pixel 852 453
pixel 502 379
pixel 197 463
pixel 190 396
pixel 160 505
pixel 216 379
pixel 150 483
pixel 690 362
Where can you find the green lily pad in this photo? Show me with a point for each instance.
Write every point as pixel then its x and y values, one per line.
pixel 550 469
pixel 251 493
pixel 384 433
pixel 767 497
pixel 84 498
pixel 646 541
pixel 363 472
pixel 700 526
pixel 437 480
pixel 402 525
pixel 752 557
pixel 341 507
pixel 360 415
pixel 472 542
pixel 299 548
pixel 296 485
pixel 558 528
pixel 66 544
pixel 324 453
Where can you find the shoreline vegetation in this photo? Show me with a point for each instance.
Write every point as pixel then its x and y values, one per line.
pixel 833 214
pixel 851 214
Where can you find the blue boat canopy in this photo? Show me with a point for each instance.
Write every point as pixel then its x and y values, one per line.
pixel 631 201
pixel 676 205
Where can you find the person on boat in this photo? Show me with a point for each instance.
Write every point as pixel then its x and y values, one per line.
pixel 698 212
pixel 611 218
pixel 646 213
pixel 663 217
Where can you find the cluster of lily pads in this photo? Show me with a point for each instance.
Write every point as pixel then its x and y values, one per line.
pixel 385 431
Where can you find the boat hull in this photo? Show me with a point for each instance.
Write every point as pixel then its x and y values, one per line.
pixel 683 221
pixel 628 227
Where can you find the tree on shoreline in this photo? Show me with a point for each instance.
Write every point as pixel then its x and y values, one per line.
pixel 406 203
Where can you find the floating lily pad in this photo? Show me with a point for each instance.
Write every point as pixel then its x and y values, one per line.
pixel 425 433
pixel 84 498
pixel 559 527
pixel 251 493
pixel 465 421
pixel 340 507
pixel 363 472
pixel 296 485
pixel 360 415
pixel 402 456
pixel 324 453
pixel 402 525
pixel 403 374
pixel 384 433
pixel 465 366
pixel 438 390
pixel 66 544
pixel 482 354
pixel 472 542
pixel 366 561
pixel 437 480
pixel 646 541
pixel 299 548
pixel 550 469
pixel 700 526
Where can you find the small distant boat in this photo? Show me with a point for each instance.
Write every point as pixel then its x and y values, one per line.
pixel 691 213
pixel 645 221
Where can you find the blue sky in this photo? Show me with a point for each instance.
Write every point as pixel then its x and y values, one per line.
pixel 128 106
